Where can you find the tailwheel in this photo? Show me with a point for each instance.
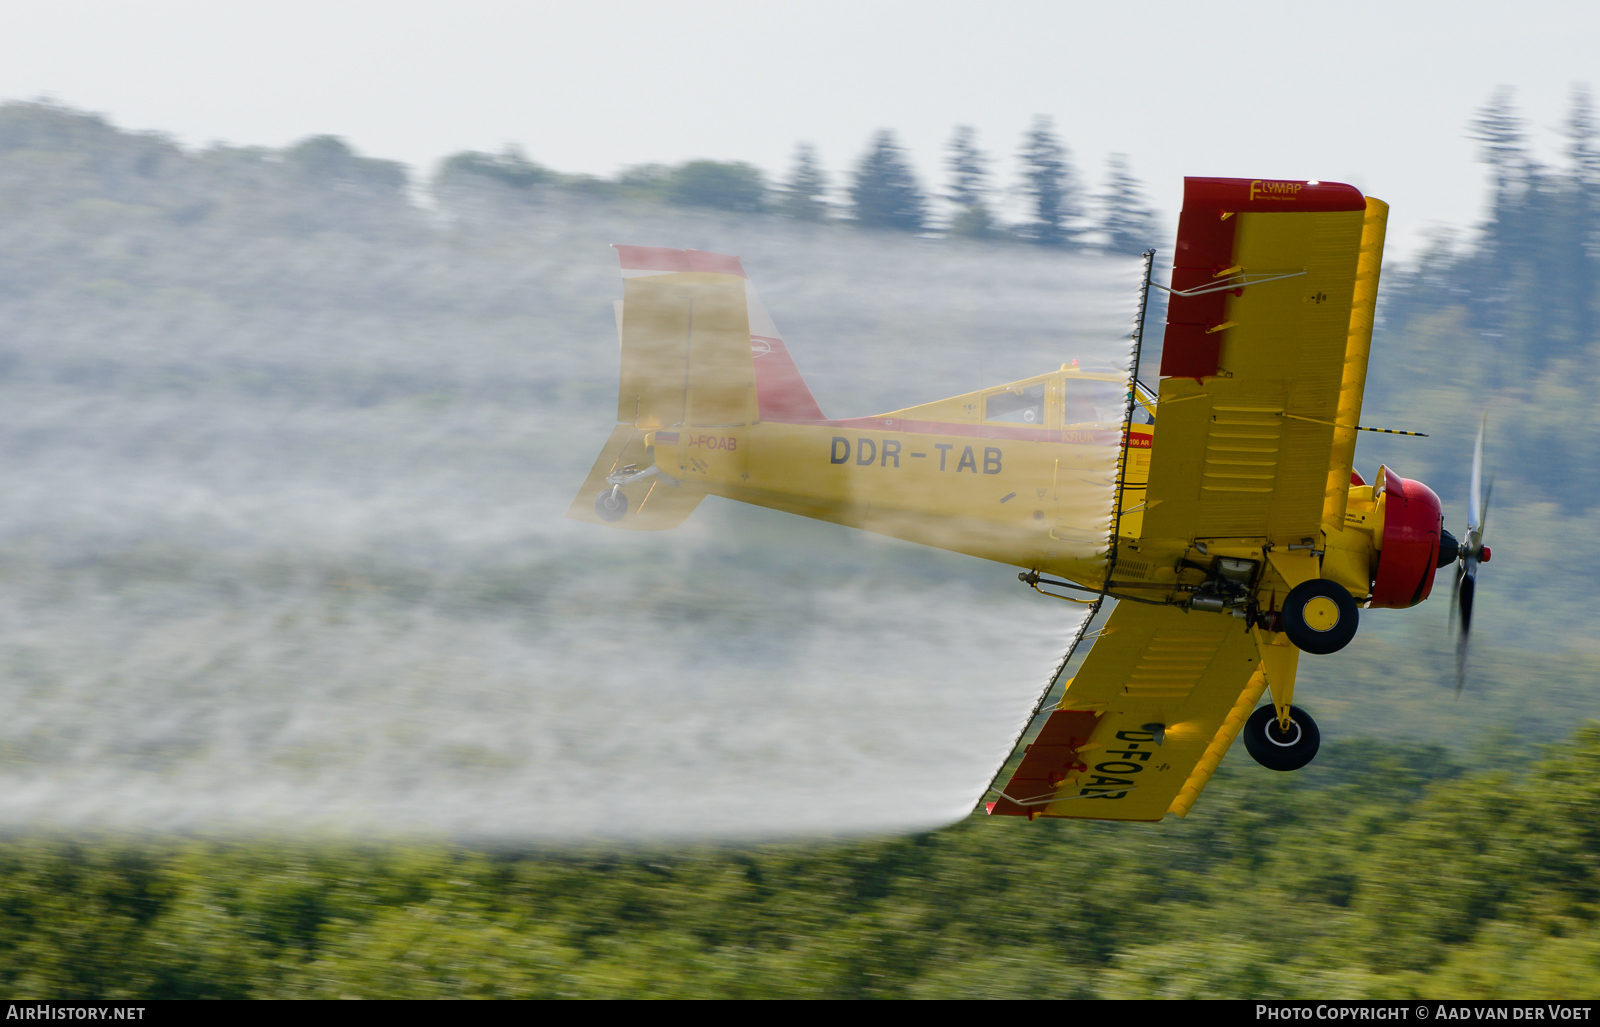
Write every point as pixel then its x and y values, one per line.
pixel 1276 749
pixel 1319 616
pixel 611 505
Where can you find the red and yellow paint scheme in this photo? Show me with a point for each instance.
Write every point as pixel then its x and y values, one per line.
pixel 1222 512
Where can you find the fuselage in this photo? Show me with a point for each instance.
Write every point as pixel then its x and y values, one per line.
pixel 1027 474
pixel 1001 474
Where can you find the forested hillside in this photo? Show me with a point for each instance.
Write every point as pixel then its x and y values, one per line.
pixel 1381 871
pixel 1503 319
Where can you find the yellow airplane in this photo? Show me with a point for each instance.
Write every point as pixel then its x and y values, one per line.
pixel 1241 539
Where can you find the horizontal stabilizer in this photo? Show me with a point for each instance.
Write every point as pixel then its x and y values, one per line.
pixel 649 502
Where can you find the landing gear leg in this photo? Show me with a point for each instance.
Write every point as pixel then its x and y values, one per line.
pixel 1280 660
pixel 1281 736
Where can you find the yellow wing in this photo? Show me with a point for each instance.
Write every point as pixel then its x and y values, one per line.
pixel 1265 359
pixel 1144 723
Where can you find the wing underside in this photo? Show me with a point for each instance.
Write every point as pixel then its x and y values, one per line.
pixel 1140 728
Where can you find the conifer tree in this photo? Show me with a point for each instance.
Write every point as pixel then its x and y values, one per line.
pixel 1577 217
pixel 1530 286
pixel 804 195
pixel 1509 232
pixel 1048 181
pixel 885 193
pixel 1581 132
pixel 969 186
pixel 1128 220
pixel 1498 126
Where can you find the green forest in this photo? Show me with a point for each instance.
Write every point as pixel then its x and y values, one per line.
pixel 1381 871
pixel 302 327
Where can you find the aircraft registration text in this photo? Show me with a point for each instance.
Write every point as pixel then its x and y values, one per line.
pixel 887 453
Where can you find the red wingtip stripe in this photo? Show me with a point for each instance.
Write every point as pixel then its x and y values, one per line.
pixel 1046 763
pixel 1270 194
pixel 1192 345
pixel 660 258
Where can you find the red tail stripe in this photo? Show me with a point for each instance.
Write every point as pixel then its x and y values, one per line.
pixel 1071 436
pixel 781 392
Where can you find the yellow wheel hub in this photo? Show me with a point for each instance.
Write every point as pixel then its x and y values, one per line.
pixel 1321 614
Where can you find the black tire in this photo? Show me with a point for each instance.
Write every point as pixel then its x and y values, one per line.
pixel 611 505
pixel 1314 630
pixel 1271 749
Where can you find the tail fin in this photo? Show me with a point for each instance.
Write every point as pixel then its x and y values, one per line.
pixel 698 350
pixel 780 391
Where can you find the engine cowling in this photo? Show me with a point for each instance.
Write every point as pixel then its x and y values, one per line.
pixel 1413 522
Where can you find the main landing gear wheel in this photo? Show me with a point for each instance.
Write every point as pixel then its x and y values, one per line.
pixel 1276 749
pixel 611 505
pixel 1319 616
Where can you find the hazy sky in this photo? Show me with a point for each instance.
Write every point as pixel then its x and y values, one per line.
pixel 1373 93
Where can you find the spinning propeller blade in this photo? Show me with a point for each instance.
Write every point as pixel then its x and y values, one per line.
pixel 1473 552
